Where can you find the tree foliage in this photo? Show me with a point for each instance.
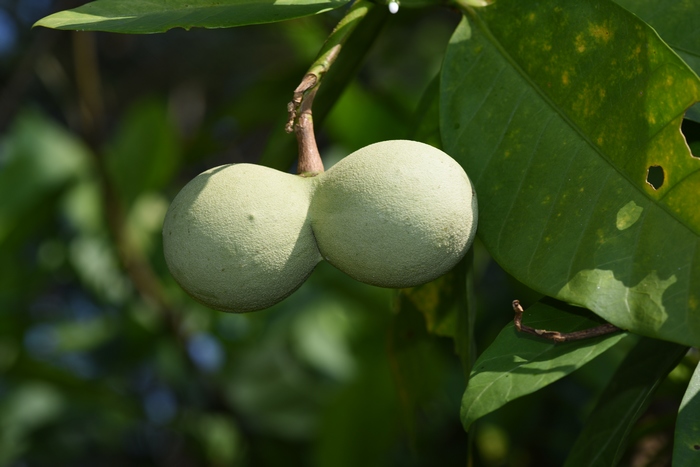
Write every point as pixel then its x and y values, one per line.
pixel 574 121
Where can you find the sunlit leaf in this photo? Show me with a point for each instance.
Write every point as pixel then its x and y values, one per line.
pixel 151 16
pixel 686 443
pixel 518 364
pixel 603 439
pixel 559 111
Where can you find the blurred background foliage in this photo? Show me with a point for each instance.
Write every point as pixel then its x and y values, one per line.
pixel 105 361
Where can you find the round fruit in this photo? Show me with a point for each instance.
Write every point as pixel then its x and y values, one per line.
pixel 238 238
pixel 394 214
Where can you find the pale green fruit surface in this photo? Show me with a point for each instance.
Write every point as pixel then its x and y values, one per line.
pixel 394 214
pixel 238 238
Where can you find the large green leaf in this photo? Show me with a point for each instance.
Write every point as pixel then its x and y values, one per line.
pixel 151 16
pixel 602 441
pixel 558 110
pixel 686 442
pixel 676 21
pixel 515 364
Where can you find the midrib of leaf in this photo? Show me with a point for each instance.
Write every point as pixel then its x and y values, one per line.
pixel 512 62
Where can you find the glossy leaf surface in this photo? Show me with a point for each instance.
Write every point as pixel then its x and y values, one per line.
pixel 560 112
pixel 150 16
pixel 518 364
pixel 603 439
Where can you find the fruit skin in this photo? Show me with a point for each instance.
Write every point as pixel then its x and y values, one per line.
pixel 237 237
pixel 394 214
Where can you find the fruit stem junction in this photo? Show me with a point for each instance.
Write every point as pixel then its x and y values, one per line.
pixel 300 115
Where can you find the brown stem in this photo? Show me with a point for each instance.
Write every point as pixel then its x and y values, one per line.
pixel 557 336
pixel 310 162
pixel 300 115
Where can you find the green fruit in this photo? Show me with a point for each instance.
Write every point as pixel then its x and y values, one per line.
pixel 394 214
pixel 238 238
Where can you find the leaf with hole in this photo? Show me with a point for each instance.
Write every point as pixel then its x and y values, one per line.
pixel 149 16
pixel 566 115
pixel 517 364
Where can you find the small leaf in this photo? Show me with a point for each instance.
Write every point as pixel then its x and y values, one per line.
pixel 516 364
pixel 686 443
pixel 151 16
pixel 603 439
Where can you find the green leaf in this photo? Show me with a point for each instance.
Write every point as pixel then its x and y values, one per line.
pixel 516 364
pixel 37 159
pixel 145 152
pixel 558 110
pixel 676 23
pixel 686 443
pixel 416 363
pixel 693 113
pixel 603 439
pixel 151 16
pixel 426 126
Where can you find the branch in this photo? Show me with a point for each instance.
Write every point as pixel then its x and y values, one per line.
pixel 300 115
pixel 557 336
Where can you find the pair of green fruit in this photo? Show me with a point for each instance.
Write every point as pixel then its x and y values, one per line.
pixel 243 237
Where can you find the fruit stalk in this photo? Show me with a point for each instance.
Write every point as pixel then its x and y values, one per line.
pixel 300 114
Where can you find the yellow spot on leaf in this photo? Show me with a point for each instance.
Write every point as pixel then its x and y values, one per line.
pixel 580 43
pixel 565 78
pixel 628 215
pixel 600 32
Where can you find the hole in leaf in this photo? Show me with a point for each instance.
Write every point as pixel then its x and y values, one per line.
pixel 691 131
pixel 655 176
